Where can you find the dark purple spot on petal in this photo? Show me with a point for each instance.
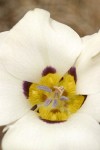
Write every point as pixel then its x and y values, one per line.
pixel 48 70
pixel 34 107
pixel 61 79
pixel 72 71
pixel 52 122
pixel 85 96
pixel 26 86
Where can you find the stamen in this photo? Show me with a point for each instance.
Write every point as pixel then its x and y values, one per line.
pixel 44 88
pixel 54 103
pixel 47 102
pixel 64 98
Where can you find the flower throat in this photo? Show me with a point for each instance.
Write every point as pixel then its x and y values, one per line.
pixel 55 97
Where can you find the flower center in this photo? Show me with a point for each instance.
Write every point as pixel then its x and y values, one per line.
pixel 55 97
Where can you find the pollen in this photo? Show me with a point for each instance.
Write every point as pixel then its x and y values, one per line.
pixel 55 97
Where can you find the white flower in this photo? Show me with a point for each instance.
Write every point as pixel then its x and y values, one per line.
pixel 36 42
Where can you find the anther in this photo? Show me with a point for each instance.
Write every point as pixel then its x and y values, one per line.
pixel 54 103
pixel 47 102
pixel 44 88
pixel 65 98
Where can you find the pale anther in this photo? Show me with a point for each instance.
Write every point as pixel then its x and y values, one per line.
pixel 47 102
pixel 44 88
pixel 64 98
pixel 54 103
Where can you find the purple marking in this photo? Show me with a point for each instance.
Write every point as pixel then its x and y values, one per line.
pixel 64 98
pixel 72 71
pixel 26 86
pixel 52 122
pixel 48 70
pixel 34 107
pixel 54 103
pixel 44 88
pixel 47 102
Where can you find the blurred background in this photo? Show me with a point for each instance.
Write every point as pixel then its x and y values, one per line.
pixel 82 15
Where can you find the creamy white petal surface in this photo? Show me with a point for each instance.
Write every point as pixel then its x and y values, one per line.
pixel 38 41
pixel 80 132
pixel 3 35
pixel 88 37
pixel 13 103
pixel 88 66
pixel 92 106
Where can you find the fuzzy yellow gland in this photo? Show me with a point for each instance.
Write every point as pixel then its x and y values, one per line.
pixel 55 97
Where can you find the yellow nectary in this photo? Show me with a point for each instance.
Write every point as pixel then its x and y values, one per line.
pixel 55 97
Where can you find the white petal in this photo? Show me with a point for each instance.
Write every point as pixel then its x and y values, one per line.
pixel 86 38
pixel 13 103
pixel 38 41
pixel 65 48
pixel 92 106
pixel 80 132
pixel 3 35
pixel 88 66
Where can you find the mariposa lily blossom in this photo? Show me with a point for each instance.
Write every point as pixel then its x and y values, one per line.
pixel 49 86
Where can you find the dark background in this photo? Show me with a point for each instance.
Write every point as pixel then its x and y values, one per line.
pixel 82 15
